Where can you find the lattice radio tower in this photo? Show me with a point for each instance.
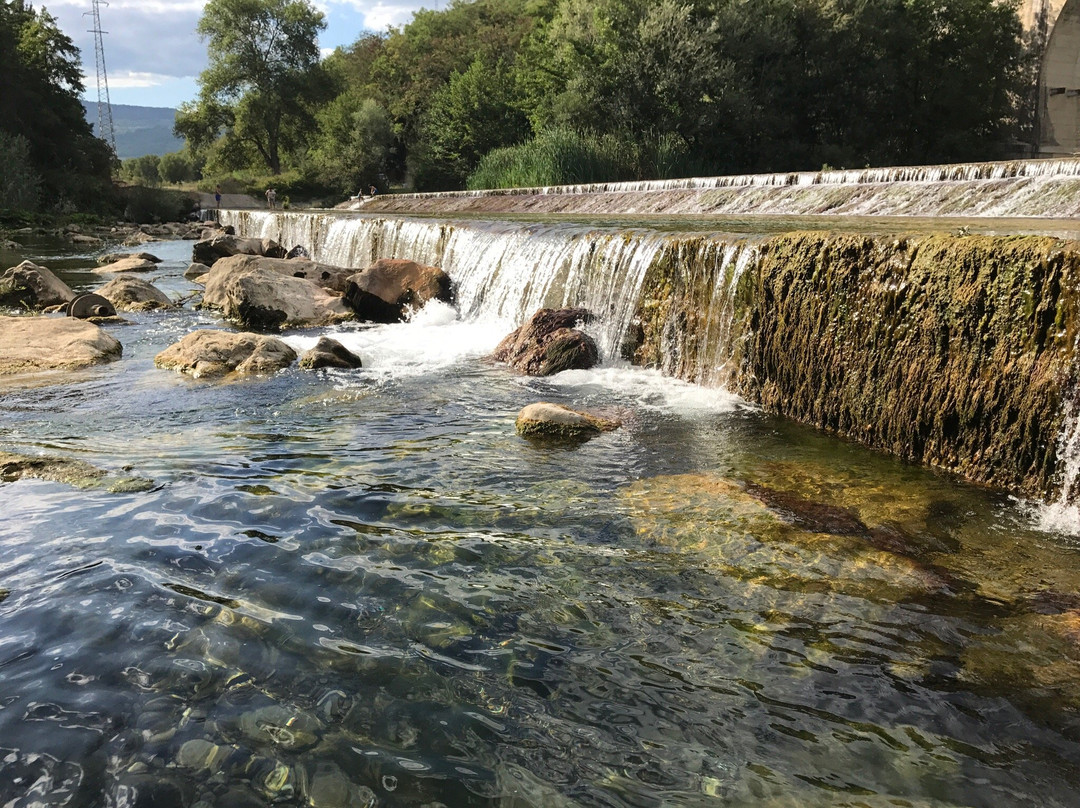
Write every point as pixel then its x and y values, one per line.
pixel 106 131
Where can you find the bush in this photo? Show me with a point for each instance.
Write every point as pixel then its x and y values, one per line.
pixel 563 156
pixel 20 185
pixel 145 205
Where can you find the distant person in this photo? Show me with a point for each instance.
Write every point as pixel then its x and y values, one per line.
pixel 372 191
pixel 271 198
pixel 217 197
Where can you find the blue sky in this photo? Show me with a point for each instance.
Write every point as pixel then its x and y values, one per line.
pixel 153 54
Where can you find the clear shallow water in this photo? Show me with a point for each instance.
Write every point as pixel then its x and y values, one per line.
pixel 364 588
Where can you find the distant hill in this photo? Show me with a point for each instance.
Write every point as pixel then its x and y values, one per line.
pixel 139 130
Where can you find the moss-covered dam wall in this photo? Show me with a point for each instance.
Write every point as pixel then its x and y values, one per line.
pixel 954 351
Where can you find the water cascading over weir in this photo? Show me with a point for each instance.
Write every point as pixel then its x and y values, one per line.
pixel 949 342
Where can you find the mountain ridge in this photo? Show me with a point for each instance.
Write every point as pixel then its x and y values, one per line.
pixel 139 130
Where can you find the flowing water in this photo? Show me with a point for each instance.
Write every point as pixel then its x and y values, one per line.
pixel 362 588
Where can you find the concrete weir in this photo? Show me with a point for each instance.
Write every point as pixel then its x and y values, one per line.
pixel 951 348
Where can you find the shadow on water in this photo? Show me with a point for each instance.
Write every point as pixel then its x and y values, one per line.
pixel 364 589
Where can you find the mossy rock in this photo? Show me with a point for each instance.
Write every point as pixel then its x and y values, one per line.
pixel 554 421
pixel 76 473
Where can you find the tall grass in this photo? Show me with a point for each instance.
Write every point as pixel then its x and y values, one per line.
pixel 564 156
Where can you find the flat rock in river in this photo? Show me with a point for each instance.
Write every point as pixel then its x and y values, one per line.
pixel 130 264
pixel 49 343
pixel 547 420
pixel 211 353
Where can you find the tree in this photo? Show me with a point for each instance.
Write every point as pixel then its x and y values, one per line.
pixel 264 80
pixel 176 167
pixel 354 145
pixel 40 86
pixel 473 113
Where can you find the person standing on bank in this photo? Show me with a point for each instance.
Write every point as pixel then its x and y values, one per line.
pixel 217 197
pixel 271 197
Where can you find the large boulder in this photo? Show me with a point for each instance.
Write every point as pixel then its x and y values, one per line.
pixel 258 298
pixel 51 343
pixel 134 294
pixel 387 289
pixel 33 286
pixel 329 353
pixel 550 343
pixel 210 353
pixel 325 275
pixel 131 263
pixel 547 420
pixel 225 246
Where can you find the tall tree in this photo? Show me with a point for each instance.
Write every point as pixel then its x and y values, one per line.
pixel 49 136
pixel 264 80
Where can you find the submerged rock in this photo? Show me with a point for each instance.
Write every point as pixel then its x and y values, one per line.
pixel 259 298
pixel 52 343
pixel 210 353
pixel 134 294
pixel 388 289
pixel 329 353
pixel 814 517
pixel 224 246
pixel 70 472
pixel 29 285
pixel 550 343
pixel 546 420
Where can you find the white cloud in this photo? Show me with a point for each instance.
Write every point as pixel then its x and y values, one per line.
pixel 129 79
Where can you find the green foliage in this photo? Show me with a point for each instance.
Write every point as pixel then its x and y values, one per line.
pixel 354 145
pixel 20 184
pixel 177 167
pixel 563 156
pixel 474 112
pixel 258 96
pixel 40 86
pixel 661 88
pixel 142 170
pixel 145 205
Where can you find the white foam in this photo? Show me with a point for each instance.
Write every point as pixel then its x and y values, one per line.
pixel 649 390
pixel 433 339
pixel 1054 517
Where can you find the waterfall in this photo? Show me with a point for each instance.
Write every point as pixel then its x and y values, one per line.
pixel 1023 188
pixel 505 271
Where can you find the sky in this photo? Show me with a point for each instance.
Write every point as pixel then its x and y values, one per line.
pixel 153 55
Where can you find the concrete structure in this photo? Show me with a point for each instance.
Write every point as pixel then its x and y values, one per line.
pixel 1055 27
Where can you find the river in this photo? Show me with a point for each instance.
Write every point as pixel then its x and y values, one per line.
pixel 362 588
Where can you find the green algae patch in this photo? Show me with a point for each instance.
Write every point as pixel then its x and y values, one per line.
pixel 955 351
pixel 75 473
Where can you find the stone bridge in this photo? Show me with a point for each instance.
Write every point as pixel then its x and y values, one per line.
pixel 1055 24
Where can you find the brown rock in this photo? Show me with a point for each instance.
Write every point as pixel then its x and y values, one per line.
pixel 387 289
pixel 130 264
pixel 225 246
pixel 134 294
pixel 258 298
pixel 49 343
pixel 329 353
pixel 549 343
pixel 110 258
pixel 547 420
pixel 29 284
pixel 210 353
